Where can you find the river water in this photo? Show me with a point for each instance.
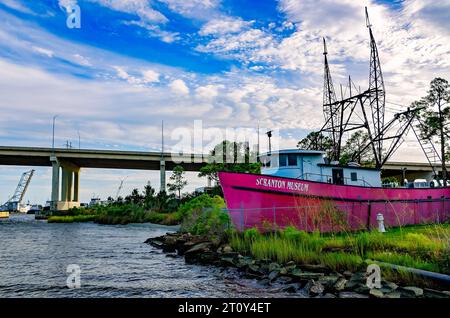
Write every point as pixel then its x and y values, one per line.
pixel 114 262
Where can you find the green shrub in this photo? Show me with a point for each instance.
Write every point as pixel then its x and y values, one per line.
pixel 204 215
pixel 251 234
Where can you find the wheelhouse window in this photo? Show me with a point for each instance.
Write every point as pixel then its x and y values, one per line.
pixel 292 160
pixel 283 160
pixel 354 176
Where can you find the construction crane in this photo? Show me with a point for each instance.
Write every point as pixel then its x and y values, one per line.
pixel 13 204
pixel 120 187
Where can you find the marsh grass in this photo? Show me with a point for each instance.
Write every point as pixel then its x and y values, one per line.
pixel 423 247
pixel 71 218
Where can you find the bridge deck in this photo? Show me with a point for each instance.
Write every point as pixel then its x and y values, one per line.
pixel 109 159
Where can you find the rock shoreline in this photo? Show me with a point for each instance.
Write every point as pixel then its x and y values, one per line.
pixel 314 281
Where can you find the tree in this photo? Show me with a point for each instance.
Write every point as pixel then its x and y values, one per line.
pixel 436 117
pixel 178 182
pixel 135 197
pixel 316 141
pixel 149 195
pixel 230 156
pixel 355 149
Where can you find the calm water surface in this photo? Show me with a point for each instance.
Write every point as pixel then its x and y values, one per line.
pixel 114 262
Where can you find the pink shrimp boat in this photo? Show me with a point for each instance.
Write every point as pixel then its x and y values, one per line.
pixel 297 188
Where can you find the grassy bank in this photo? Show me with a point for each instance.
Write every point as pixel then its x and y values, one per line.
pixel 199 215
pixel 115 214
pixel 423 247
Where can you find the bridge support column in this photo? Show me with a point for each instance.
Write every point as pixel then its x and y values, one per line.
pixel 69 185
pixel 64 185
pixel 162 170
pixel 70 182
pixel 76 182
pixel 55 183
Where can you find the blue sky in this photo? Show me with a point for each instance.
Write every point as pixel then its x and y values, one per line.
pixel 230 63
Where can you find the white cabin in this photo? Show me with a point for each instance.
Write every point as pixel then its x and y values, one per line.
pixel 310 165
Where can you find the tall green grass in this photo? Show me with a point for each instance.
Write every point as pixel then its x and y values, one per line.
pixel 422 247
pixel 71 219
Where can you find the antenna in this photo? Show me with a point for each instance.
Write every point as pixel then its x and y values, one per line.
pixel 79 140
pixel 257 146
pixel 162 163
pixel 377 94
pixel 367 19
pixel 330 108
pixel 162 138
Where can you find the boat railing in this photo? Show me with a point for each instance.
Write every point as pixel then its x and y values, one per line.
pixel 328 178
pixel 358 214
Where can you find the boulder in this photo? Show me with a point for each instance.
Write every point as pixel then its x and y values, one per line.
pixel 207 257
pixel 314 267
pixel 376 293
pixel 255 270
pixel 340 284
pixel 170 240
pixel 351 295
pixel 328 281
pixel 411 291
pixel 273 274
pixel 431 293
pixel 274 266
pixel 283 279
pixel 291 288
pixel 316 288
pixel 283 271
pixel 362 289
pixel 347 274
pixel 227 249
pixel 244 261
pixel 393 294
pixel 329 295
pixel 199 248
pixel 227 261
pixel 387 287
pixel 305 276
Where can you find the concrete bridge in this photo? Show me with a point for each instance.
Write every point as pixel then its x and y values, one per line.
pixel 412 170
pixel 66 165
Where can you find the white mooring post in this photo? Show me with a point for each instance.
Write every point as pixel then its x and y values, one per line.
pixel 380 220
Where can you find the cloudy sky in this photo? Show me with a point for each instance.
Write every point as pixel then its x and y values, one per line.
pixel 229 63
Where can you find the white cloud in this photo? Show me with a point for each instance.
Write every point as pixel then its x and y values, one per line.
pixel 17 5
pixel 208 92
pixel 43 51
pixel 223 25
pixel 156 31
pixel 67 3
pixel 192 8
pixel 141 8
pixel 81 60
pixel 179 86
pixel 147 76
pixel 150 76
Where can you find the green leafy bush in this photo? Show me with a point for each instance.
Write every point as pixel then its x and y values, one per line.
pixel 204 215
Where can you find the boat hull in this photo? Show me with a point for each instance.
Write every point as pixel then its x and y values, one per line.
pixel 266 201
